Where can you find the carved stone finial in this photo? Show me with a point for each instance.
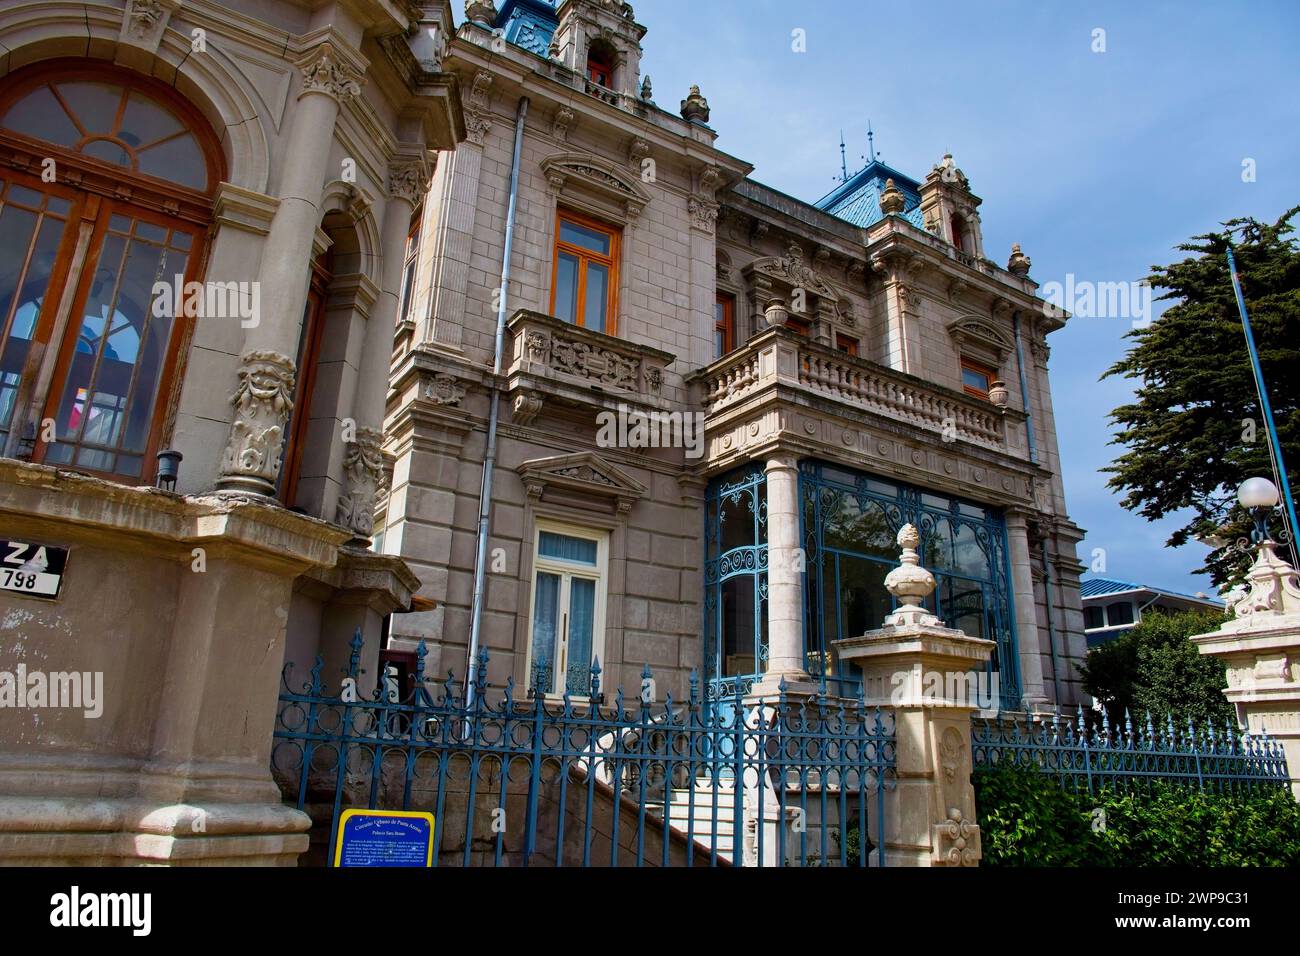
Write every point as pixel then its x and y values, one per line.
pixel 910 583
pixel 695 108
pixel 891 200
pixel 481 11
pixel 647 91
pixel 1019 263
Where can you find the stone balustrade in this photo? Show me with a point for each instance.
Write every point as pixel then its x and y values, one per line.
pixel 777 356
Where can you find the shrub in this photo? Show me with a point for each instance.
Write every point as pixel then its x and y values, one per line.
pixel 1028 818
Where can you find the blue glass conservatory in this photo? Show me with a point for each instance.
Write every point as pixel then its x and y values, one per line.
pixel 849 521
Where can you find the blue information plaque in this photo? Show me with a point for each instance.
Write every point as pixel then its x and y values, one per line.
pixel 384 838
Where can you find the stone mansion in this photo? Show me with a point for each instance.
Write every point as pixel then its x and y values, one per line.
pixel 436 252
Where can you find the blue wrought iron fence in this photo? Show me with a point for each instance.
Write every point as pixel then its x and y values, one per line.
pixel 1120 758
pixel 537 780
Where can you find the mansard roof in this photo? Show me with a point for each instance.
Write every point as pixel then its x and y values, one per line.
pixel 529 24
pixel 858 199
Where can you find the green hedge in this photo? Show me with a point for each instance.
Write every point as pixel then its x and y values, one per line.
pixel 1027 818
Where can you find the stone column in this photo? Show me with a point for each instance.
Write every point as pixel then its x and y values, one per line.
pixel 1261 647
pixel 363 463
pixel 924 672
pixel 264 398
pixel 785 658
pixel 1032 689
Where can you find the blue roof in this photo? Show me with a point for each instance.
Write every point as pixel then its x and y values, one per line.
pixel 1099 586
pixel 858 200
pixel 528 24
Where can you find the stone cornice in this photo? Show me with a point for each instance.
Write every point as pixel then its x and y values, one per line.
pixel 66 507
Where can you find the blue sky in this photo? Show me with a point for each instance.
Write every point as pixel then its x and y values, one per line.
pixel 1097 163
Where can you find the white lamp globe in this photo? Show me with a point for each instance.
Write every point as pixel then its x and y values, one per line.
pixel 1257 493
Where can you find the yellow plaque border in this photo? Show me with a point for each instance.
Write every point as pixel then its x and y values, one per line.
pixel 349 814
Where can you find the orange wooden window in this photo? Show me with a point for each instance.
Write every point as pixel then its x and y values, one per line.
pixel 976 378
pixel 724 325
pixel 796 324
pixel 846 344
pixel 130 208
pixel 584 277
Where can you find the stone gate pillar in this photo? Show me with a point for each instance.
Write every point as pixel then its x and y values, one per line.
pixel 929 676
pixel 1260 645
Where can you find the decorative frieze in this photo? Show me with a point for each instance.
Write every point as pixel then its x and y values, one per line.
pixel 263 403
pixel 363 476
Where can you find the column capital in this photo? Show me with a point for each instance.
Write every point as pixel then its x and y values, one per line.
pixel 781 461
pixel 409 175
pixel 326 70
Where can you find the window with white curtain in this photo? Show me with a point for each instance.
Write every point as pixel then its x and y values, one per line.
pixel 567 624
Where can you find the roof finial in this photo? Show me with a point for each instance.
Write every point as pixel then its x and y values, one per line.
pixel 871 142
pixel 844 163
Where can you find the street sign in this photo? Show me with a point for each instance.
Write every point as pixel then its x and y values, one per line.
pixel 384 838
pixel 32 569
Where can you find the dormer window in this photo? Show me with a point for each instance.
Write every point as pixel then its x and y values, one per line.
pixel 600 67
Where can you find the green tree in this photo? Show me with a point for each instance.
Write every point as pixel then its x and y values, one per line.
pixel 1189 444
pixel 1156 669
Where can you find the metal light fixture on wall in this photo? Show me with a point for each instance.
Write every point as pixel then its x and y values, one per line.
pixel 169 468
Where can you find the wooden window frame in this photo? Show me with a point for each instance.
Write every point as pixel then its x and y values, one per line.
pixel 969 364
pixel 409 261
pixel 96 188
pixel 600 70
pixel 846 344
pixel 585 256
pixel 313 333
pixel 566 570
pixel 727 324
pixel 799 325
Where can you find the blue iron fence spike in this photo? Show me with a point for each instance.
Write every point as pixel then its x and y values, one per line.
pixel 1169 728
pixel 1151 729
pixel 645 671
pixel 1105 723
pixel 1128 724
pixel 595 678
pixel 1080 719
pixel 354 660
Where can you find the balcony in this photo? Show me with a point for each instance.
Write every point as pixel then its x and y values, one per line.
pixel 555 361
pixel 777 358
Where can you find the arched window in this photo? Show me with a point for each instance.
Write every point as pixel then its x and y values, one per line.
pixel 105 198
pixel 600 65
pixel 959 233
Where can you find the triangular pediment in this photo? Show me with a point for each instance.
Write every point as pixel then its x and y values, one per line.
pixel 586 473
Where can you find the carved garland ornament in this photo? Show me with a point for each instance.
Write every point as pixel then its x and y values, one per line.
pixel 263 403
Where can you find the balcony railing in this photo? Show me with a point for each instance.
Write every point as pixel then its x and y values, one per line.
pixel 777 357
pixel 581 361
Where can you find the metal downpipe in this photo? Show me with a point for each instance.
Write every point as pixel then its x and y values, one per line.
pixel 490 457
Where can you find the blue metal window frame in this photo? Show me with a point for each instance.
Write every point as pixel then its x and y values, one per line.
pixel 907 504
pixel 749 560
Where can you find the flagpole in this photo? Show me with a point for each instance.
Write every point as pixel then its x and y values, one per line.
pixel 1270 426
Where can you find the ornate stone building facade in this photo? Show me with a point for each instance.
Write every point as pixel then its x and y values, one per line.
pixel 855 363
pixel 325 191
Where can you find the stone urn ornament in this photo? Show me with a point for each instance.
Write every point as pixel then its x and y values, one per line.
pixel 998 394
pixel 695 108
pixel 1019 263
pixel 776 314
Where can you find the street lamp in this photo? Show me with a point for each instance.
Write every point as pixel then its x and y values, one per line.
pixel 1259 496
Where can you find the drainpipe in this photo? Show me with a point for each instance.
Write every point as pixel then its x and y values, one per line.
pixel 490 458
pixel 1033 457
